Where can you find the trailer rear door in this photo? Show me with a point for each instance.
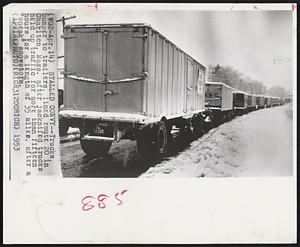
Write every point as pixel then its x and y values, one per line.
pixel 83 58
pixel 112 57
pixel 124 61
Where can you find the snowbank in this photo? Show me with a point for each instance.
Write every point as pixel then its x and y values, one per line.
pixel 255 144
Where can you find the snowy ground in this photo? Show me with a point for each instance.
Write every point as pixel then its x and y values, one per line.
pixel 256 144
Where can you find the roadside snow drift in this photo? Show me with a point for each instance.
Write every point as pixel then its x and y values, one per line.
pixel 255 144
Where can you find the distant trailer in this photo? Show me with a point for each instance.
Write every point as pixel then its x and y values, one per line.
pixel 251 102
pixel 219 99
pixel 267 101
pixel 275 101
pixel 260 101
pixel 240 102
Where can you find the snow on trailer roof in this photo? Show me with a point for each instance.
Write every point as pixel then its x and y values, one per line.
pixel 239 91
pixel 259 95
pixel 235 90
pixel 131 25
pixel 219 83
pixel 104 25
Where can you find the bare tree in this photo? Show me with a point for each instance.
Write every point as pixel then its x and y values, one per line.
pixel 235 78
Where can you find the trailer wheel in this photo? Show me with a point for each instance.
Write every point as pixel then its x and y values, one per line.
pixel 95 148
pixel 160 139
pixel 152 143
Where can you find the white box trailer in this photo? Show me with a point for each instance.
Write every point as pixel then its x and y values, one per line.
pixel 240 102
pixel 219 96
pixel 122 78
pixel 252 102
pixel 219 99
pixel 275 101
pixel 260 101
pixel 267 101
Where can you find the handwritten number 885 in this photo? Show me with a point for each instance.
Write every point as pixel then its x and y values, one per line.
pixel 87 201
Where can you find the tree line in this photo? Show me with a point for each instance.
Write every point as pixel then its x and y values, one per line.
pixel 239 80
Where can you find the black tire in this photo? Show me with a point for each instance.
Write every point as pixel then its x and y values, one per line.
pixel 63 127
pixel 160 140
pixel 152 143
pixel 95 148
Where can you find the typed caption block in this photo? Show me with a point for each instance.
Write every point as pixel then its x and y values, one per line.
pixel 34 114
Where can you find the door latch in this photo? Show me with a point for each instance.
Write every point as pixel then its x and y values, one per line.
pixel 109 92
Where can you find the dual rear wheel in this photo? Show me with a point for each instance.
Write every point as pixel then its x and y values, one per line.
pixel 152 142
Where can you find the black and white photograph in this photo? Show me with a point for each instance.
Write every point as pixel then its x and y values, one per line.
pixel 149 123
pixel 176 93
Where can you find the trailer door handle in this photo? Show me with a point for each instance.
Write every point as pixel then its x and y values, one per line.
pixel 109 92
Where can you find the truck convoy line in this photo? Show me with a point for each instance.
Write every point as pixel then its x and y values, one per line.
pixel 127 81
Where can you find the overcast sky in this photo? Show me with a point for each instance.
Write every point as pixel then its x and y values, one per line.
pixel 257 43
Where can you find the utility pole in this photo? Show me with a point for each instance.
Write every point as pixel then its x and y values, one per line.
pixel 63 19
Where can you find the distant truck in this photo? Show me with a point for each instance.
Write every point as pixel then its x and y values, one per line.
pixel 219 99
pixel 127 81
pixel 240 102
pixel 260 101
pixel 267 101
pixel 252 102
pixel 275 101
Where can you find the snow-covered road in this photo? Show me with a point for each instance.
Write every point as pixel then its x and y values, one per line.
pixel 256 144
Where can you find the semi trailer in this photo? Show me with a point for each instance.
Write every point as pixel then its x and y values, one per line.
pixel 219 99
pixel 267 101
pixel 128 81
pixel 260 101
pixel 252 102
pixel 240 102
